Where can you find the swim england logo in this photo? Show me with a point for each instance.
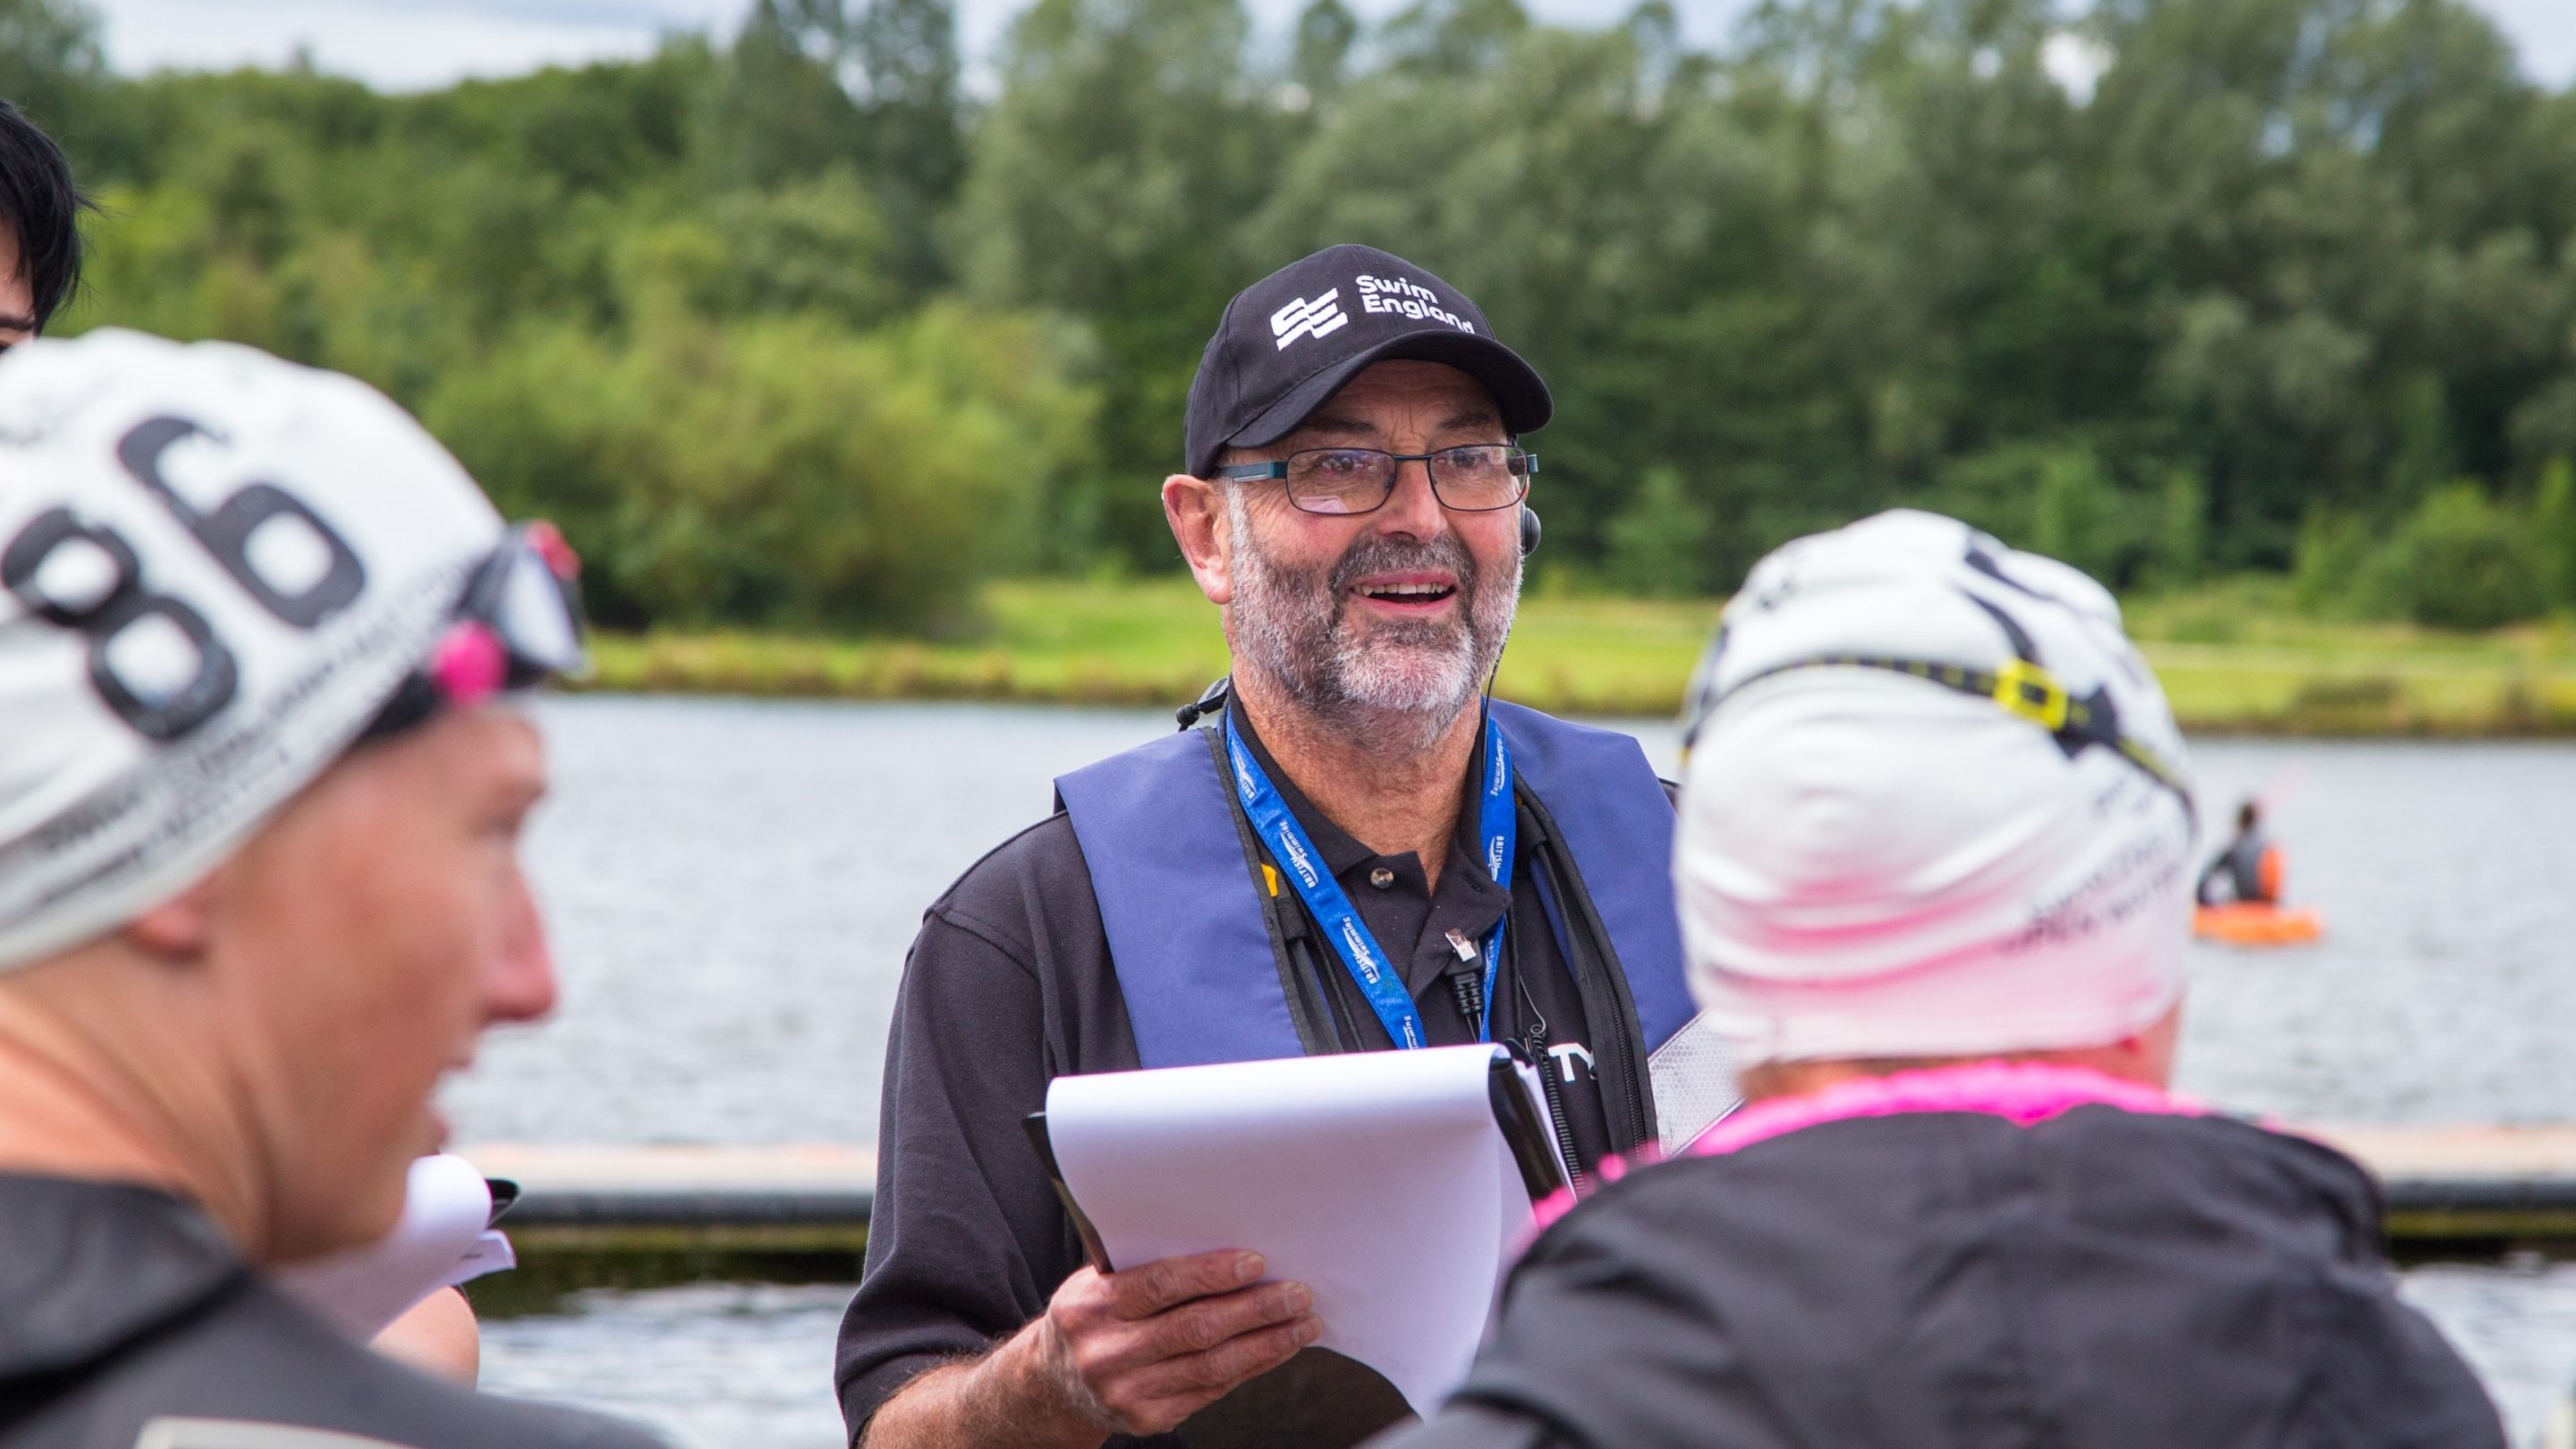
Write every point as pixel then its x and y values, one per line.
pixel 1405 297
pixel 1302 318
pixel 1392 296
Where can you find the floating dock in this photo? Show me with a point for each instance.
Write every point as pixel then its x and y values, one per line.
pixel 803 1197
pixel 2470 1189
pixel 2449 1190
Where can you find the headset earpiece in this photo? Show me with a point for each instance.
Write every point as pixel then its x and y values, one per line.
pixel 1529 530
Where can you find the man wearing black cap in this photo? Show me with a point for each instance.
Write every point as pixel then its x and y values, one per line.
pixel 1353 850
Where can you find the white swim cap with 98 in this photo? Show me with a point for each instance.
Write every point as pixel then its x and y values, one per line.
pixel 215 567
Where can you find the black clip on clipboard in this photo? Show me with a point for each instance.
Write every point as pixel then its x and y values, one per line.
pixel 505 1195
pixel 1523 1123
pixel 1035 1125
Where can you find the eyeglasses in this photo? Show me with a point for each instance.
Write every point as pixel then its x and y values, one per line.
pixel 1474 479
pixel 518 624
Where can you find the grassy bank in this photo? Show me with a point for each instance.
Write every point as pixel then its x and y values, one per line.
pixel 2231 659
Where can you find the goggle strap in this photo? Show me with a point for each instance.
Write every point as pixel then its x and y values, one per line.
pixel 2022 689
pixel 413 700
pixel 477 656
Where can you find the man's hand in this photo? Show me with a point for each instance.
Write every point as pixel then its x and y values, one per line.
pixel 1134 1352
pixel 1144 1349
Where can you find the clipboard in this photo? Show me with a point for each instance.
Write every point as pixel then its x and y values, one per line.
pixel 1522 1122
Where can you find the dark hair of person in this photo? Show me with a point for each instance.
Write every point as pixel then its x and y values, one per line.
pixel 40 204
pixel 2247 814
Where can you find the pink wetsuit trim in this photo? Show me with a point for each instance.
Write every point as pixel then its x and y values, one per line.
pixel 2022 1093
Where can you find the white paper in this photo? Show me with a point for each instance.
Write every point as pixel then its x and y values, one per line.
pixel 441 1241
pixel 1378 1179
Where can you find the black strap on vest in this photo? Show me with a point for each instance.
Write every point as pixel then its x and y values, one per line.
pixel 1609 1008
pixel 1309 1006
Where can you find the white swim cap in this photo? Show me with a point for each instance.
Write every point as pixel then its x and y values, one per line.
pixel 1933 806
pixel 215 569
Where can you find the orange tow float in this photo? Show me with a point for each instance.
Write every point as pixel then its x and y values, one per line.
pixel 2255 923
pixel 2261 922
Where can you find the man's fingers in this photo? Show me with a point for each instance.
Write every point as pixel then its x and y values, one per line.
pixel 1176 1388
pixel 1195 1328
pixel 1155 1344
pixel 1115 1347
pixel 1142 1292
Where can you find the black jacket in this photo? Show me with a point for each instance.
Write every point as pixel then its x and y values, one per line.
pixel 1951 1280
pixel 127 1323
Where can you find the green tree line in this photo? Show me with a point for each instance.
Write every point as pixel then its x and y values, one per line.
pixel 796 328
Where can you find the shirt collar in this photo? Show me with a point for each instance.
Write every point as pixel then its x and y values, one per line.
pixel 1340 849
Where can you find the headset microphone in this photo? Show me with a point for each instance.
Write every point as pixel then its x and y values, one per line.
pixel 1529 530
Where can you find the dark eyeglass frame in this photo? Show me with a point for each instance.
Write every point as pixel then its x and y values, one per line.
pixel 1521 463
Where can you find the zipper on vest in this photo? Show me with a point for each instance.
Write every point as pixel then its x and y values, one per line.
pixel 1466 983
pixel 1590 959
pixel 1534 1042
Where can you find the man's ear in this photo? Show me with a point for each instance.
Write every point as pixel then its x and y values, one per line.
pixel 181 928
pixel 1196 513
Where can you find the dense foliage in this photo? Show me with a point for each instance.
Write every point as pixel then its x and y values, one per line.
pixel 794 330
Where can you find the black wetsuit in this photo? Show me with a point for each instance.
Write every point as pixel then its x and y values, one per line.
pixel 126 1322
pixel 1951 1280
pixel 2237 875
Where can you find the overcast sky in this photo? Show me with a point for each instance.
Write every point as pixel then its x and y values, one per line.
pixel 409 44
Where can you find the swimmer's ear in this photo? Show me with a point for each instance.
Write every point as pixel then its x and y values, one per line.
pixel 180 928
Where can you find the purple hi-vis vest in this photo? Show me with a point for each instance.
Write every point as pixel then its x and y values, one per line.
pixel 1180 896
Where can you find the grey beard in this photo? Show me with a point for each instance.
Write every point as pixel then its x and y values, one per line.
pixel 1410 678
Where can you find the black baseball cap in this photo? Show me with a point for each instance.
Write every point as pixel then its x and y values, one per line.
pixel 1292 339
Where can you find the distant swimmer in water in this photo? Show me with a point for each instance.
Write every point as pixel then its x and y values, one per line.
pixel 2249 870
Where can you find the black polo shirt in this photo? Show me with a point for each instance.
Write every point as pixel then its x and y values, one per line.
pixel 1010 984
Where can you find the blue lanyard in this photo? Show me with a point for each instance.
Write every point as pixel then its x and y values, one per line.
pixel 1497 829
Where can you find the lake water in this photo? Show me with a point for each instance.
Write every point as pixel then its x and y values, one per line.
pixel 726 1365
pixel 732 885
